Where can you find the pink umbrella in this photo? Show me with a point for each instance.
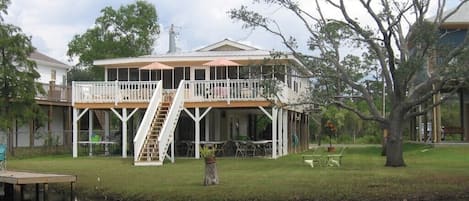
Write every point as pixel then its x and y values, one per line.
pixel 156 66
pixel 221 62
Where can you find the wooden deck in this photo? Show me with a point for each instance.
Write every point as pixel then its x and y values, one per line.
pixel 13 182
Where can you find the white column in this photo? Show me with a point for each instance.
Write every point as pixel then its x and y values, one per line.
pixel 75 132
pixel 207 128
pixel 274 132
pixel 107 128
pixel 90 131
pixel 124 132
pixel 280 132
pixel 197 133
pixel 285 132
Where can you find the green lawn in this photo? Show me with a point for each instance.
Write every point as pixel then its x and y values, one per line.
pixel 431 174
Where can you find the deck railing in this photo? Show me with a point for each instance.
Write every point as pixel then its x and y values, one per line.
pixel 194 91
pixel 145 125
pixel 226 90
pixel 167 131
pixel 112 92
pixel 53 92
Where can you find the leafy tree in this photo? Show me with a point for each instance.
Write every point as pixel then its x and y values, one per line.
pixel 18 88
pixel 129 31
pixel 399 43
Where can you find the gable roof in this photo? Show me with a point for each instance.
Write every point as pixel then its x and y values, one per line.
pixel 459 19
pixel 46 60
pixel 227 45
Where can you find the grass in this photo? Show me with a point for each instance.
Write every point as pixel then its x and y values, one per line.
pixel 431 174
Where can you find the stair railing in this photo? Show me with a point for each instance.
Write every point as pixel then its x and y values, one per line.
pixel 145 125
pixel 167 131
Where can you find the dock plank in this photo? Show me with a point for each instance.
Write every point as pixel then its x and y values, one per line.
pixel 14 177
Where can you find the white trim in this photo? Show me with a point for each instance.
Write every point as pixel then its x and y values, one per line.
pixel 228 43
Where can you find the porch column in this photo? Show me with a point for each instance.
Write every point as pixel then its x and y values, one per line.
pixel 76 118
pixel 274 131
pixel 280 132
pixel 197 132
pixel 75 133
pixel 207 128
pixel 124 118
pixel 107 128
pixel 285 132
pixel 90 131
pixel 197 117
pixel 124 132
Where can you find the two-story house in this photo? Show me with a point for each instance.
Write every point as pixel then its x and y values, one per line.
pixel 226 92
pixel 55 103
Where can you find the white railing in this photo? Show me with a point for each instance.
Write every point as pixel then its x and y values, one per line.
pixel 112 92
pixel 145 125
pixel 226 90
pixel 167 131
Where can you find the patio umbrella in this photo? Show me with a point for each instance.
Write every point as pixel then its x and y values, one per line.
pixel 156 66
pixel 221 62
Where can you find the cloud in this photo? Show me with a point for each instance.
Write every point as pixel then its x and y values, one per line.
pixel 53 23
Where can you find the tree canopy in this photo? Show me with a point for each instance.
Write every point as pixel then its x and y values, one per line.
pixel 399 43
pixel 127 32
pixel 18 88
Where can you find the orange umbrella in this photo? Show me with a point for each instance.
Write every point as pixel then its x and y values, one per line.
pixel 156 66
pixel 221 62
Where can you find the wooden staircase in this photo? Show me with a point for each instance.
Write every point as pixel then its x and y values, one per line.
pixel 149 153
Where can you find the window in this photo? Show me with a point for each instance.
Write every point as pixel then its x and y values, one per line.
pixel 187 73
pixel 178 76
pixel 244 72
pixel 133 75
pixel 123 74
pixel 233 72
pixel 111 74
pixel 221 73
pixel 144 75
pixel 279 72
pixel 168 79
pixel 267 72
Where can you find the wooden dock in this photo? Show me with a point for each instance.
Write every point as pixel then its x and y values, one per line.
pixel 14 181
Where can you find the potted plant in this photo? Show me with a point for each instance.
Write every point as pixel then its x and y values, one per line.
pixel 330 130
pixel 208 154
pixel 211 174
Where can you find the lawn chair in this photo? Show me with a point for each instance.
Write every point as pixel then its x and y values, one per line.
pixel 335 159
pixel 3 157
pixel 313 159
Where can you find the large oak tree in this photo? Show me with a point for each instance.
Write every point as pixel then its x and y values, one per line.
pixel 397 38
pixel 129 31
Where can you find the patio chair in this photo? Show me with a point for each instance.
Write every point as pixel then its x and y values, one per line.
pixel 240 149
pixel 3 157
pixel 313 159
pixel 335 159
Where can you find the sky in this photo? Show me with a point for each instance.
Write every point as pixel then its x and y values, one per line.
pixel 53 23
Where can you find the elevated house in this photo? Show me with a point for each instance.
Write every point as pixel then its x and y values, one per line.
pixel 55 103
pixel 222 94
pixel 431 127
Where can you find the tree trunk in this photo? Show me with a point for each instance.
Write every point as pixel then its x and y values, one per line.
pixel 394 155
pixel 211 174
pixel 10 141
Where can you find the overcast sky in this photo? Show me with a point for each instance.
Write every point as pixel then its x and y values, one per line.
pixel 53 23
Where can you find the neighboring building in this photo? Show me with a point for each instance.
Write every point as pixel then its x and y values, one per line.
pixel 56 104
pixel 429 127
pixel 225 103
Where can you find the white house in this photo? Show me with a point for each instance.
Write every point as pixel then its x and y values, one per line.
pixel 230 102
